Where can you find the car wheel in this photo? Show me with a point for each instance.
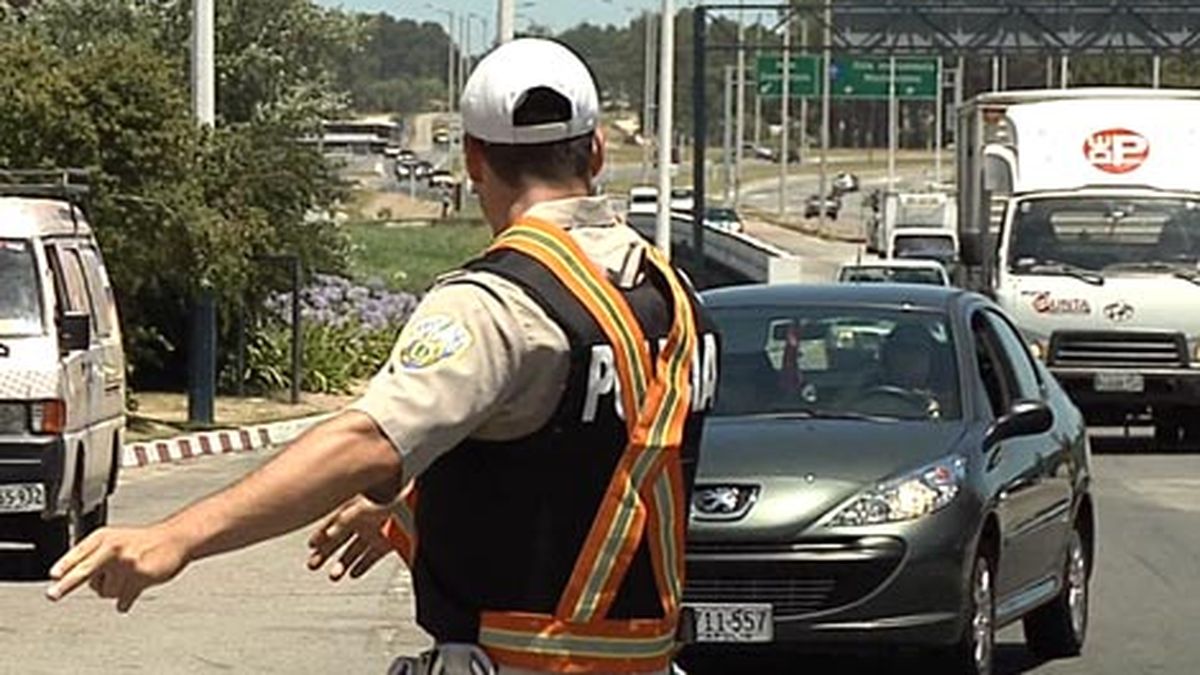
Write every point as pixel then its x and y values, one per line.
pixel 1058 630
pixel 974 652
pixel 94 520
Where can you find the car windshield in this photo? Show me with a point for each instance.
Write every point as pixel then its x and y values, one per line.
pixel 20 297
pixel 925 246
pixel 895 275
pixel 837 362
pixel 1095 234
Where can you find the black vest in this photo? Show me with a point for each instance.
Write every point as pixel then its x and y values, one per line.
pixel 500 524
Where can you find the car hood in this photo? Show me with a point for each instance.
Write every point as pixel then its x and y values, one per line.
pixel 805 468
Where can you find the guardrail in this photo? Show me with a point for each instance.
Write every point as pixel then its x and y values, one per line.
pixel 743 255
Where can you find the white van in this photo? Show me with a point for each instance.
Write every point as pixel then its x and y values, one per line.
pixel 62 368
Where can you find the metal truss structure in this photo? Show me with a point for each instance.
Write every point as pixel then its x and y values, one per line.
pixel 994 27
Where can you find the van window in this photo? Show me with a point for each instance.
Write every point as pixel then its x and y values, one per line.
pixel 20 292
pixel 99 291
pixel 72 296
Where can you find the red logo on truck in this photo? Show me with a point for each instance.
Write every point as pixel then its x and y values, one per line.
pixel 1116 150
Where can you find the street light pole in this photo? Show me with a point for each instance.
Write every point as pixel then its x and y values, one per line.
pixel 666 95
pixel 506 20
pixel 648 64
pixel 785 102
pixel 740 135
pixel 202 352
pixel 204 98
pixel 826 94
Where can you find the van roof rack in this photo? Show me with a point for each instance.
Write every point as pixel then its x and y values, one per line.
pixel 66 184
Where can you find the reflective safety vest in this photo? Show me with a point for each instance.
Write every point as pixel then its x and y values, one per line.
pixel 491 529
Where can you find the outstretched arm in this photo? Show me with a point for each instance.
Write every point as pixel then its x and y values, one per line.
pixel 331 463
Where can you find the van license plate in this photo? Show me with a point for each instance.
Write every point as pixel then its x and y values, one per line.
pixel 22 498
pixel 734 623
pixel 1120 382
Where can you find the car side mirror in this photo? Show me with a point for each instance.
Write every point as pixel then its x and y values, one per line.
pixel 74 332
pixel 1026 418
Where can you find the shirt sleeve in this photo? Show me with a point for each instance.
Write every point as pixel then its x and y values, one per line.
pixel 464 358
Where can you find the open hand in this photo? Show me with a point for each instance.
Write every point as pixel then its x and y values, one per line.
pixel 357 525
pixel 119 564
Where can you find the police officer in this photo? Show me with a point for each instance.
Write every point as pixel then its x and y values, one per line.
pixel 541 412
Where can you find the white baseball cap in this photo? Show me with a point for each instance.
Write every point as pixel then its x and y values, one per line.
pixel 530 91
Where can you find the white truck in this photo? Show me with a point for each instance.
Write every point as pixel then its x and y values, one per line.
pixel 915 225
pixel 1080 215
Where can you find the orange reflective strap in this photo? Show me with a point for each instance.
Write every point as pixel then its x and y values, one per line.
pixel 542 642
pixel 401 529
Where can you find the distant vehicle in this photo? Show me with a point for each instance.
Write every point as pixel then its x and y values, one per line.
pixel 760 151
pixel 441 137
pixel 895 272
pixel 683 200
pixel 813 205
pixel 886 466
pixel 845 182
pixel 62 367
pixel 723 219
pixel 904 210
pixel 643 200
pixel 925 244
pixel 403 171
pixel 391 151
pixel 422 169
pixel 406 156
pixel 442 178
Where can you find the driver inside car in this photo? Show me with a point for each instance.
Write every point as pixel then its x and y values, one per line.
pixel 908 360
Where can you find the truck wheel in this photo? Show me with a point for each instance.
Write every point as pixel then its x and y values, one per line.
pixel 1059 629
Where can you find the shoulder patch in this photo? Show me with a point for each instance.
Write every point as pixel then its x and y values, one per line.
pixel 432 339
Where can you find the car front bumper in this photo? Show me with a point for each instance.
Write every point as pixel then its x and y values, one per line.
pixel 901 588
pixel 1171 387
pixel 30 460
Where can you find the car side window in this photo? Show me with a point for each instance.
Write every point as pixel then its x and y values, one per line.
pixel 1020 364
pixel 68 273
pixel 989 363
pixel 99 292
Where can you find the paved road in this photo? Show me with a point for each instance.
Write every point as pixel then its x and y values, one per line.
pixel 259 611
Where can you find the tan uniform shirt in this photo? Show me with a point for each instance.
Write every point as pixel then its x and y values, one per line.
pixel 488 365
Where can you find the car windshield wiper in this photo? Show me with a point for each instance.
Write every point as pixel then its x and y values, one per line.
pixel 806 414
pixel 1058 268
pixel 1181 269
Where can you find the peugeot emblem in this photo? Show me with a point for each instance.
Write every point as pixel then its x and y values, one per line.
pixel 1119 312
pixel 723 502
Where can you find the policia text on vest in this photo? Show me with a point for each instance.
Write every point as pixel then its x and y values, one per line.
pixel 603 383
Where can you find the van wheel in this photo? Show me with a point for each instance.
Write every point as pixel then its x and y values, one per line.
pixel 1058 630
pixel 92 521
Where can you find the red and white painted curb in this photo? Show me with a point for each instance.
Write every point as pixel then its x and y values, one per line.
pixel 215 442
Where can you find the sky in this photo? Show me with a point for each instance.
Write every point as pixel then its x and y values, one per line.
pixel 557 14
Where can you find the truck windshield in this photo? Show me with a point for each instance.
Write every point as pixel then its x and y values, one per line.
pixel 925 247
pixel 20 296
pixel 1102 234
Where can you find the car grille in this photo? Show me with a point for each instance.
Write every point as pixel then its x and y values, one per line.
pixel 1119 349
pixel 796 580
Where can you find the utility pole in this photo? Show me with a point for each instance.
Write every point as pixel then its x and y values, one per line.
pixel 464 41
pixel 648 64
pixel 506 20
pixel 666 95
pixel 450 97
pixel 803 152
pixel 893 122
pixel 740 140
pixel 938 122
pixel 1156 74
pixel 202 350
pixel 727 138
pixel 783 113
pixel 826 93
pixel 1064 75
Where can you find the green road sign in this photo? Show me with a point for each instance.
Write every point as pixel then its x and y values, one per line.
pixel 803 74
pixel 853 78
pixel 860 78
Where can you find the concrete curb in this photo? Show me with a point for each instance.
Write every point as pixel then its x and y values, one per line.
pixel 222 442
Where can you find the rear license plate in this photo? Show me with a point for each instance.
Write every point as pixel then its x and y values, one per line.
pixel 22 498
pixel 1120 382
pixel 734 622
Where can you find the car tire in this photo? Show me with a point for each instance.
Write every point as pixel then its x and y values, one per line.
pixel 1059 629
pixel 974 653
pixel 93 520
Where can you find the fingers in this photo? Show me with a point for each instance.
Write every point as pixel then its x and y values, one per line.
pixel 350 556
pixel 76 569
pixel 326 542
pixel 367 561
pixel 73 557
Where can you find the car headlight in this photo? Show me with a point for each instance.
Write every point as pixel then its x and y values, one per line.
pixel 913 495
pixel 1038 349
pixel 14 418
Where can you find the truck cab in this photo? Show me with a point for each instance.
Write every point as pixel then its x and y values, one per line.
pixel 1082 219
pixel 62 368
